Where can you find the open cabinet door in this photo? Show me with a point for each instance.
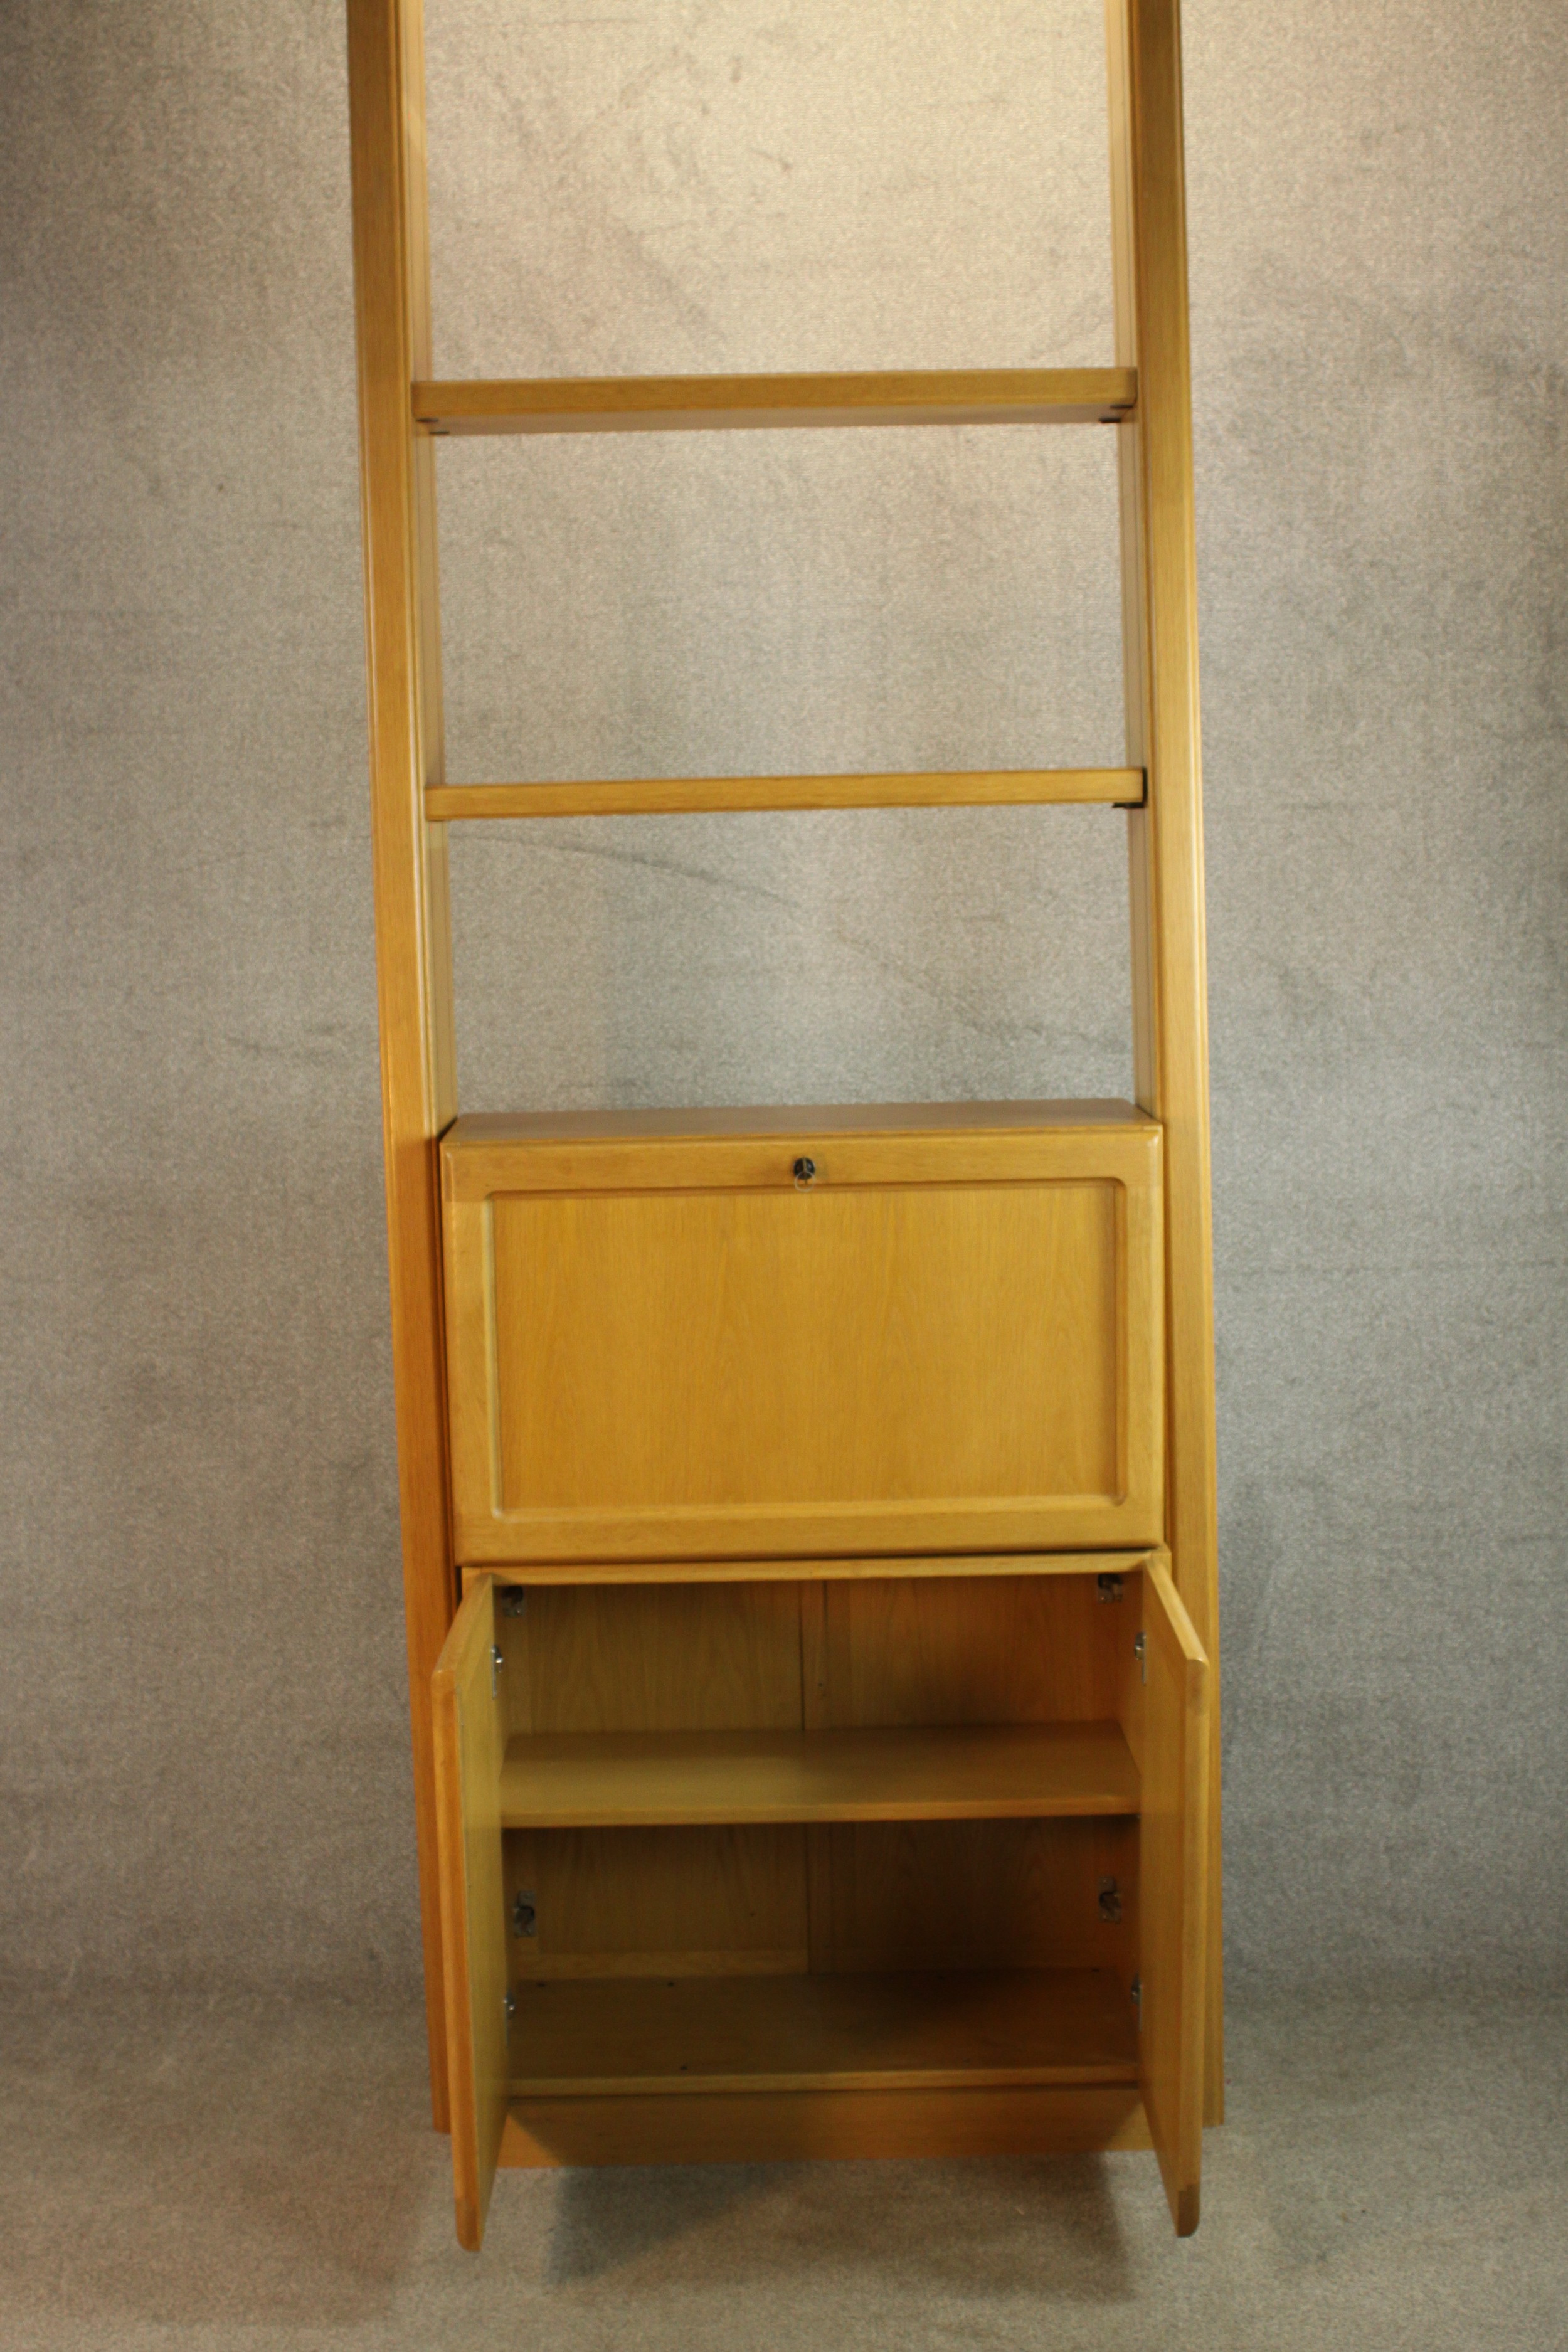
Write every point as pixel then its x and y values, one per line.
pixel 1173 1877
pixel 470 1744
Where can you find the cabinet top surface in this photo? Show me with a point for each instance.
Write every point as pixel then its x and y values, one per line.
pixel 480 1131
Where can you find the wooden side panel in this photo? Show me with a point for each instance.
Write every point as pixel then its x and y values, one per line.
pixel 469 1744
pixel 412 951
pixel 1165 837
pixel 676 1358
pixel 1174 1871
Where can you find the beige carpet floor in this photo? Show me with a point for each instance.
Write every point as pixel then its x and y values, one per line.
pixel 192 2174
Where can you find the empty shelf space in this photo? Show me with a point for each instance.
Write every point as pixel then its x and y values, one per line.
pixel 920 2030
pixel 710 402
pixel 946 1772
pixel 673 795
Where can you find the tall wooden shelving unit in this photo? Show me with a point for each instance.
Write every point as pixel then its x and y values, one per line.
pixel 809 1515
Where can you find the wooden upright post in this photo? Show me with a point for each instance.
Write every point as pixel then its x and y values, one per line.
pixel 414 965
pixel 1165 837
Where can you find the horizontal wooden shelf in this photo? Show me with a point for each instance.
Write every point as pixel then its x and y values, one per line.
pixel 676 404
pixel 915 2030
pixel 947 1772
pixel 796 1571
pixel 675 795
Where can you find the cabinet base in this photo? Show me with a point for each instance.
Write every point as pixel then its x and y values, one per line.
pixel 786 2127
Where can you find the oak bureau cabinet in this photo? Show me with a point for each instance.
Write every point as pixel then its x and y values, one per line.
pixel 807 1513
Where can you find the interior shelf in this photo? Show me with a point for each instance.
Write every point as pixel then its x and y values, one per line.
pixel 920 2030
pixel 944 1773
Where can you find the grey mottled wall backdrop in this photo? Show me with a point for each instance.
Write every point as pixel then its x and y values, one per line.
pixel 204 1746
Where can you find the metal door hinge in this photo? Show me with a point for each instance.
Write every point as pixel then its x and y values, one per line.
pixel 498 1660
pixel 1136 1988
pixel 1110 1900
pixel 524 1915
pixel 514 1600
pixel 1109 1587
pixel 1140 1652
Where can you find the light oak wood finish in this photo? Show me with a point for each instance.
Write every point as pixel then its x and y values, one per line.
pixel 413 977
pixel 861 1569
pixel 661 1661
pixel 904 1652
pixel 973 1894
pixel 698 1413
pixel 816 1716
pixel 719 403
pixel 468 1737
pixel 938 1956
pixel 665 1658
pixel 668 1346
pixel 670 795
pixel 912 2030
pixel 1165 837
pixel 947 1772
pixel 739 2128
pixel 1174 1866
pixel 470 1172
pixel 710 1900
pixel 919 1653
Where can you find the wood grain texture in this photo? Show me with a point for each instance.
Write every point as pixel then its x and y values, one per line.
pixel 815 1715
pixel 920 1652
pixel 709 1901
pixel 759 2127
pixel 852 1143
pixel 409 856
pixel 468 1170
pixel 909 2031
pixel 665 1658
pixel 966 1772
pixel 950 1340
pixel 1165 837
pixel 976 1895
pixel 469 1733
pixel 718 403
pixel 728 1351
pixel 863 1568
pixel 928 1651
pixel 1174 1842
pixel 666 796
pixel 652 1662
